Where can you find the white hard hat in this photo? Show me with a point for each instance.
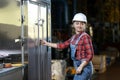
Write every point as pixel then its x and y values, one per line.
pixel 80 17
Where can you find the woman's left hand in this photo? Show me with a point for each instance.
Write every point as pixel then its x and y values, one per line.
pixel 79 70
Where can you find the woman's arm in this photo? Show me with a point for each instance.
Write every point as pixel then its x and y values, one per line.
pixel 81 66
pixel 43 42
pixel 89 51
pixel 62 45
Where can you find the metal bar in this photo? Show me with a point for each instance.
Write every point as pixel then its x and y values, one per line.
pixel 74 6
pixel 39 50
pixel 22 32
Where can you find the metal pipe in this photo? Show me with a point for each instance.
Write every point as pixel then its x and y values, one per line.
pixel 22 33
pixel 64 3
pixel 66 11
pixel 74 6
pixel 39 47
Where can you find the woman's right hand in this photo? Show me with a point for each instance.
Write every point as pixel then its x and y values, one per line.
pixel 43 42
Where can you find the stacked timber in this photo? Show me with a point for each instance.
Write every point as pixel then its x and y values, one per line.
pixel 99 63
pixel 58 68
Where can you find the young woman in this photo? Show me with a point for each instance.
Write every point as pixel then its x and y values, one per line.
pixel 81 48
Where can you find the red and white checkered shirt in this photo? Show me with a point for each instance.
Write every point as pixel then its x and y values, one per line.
pixel 84 49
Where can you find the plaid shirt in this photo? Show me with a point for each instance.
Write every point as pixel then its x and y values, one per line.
pixel 84 49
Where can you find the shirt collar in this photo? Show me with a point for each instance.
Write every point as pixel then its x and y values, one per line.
pixel 79 34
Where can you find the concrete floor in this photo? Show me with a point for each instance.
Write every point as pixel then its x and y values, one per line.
pixel 112 73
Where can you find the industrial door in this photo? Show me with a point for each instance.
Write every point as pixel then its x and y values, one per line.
pixel 39 27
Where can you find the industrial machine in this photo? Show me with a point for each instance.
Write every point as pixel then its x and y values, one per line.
pixel 23 23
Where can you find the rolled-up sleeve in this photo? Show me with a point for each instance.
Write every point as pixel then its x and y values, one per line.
pixel 63 45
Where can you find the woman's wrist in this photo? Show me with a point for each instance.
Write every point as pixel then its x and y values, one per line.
pixel 47 44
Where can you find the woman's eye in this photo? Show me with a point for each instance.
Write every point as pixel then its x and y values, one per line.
pixel 79 23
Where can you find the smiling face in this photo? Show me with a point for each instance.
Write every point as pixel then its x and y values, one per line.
pixel 79 26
